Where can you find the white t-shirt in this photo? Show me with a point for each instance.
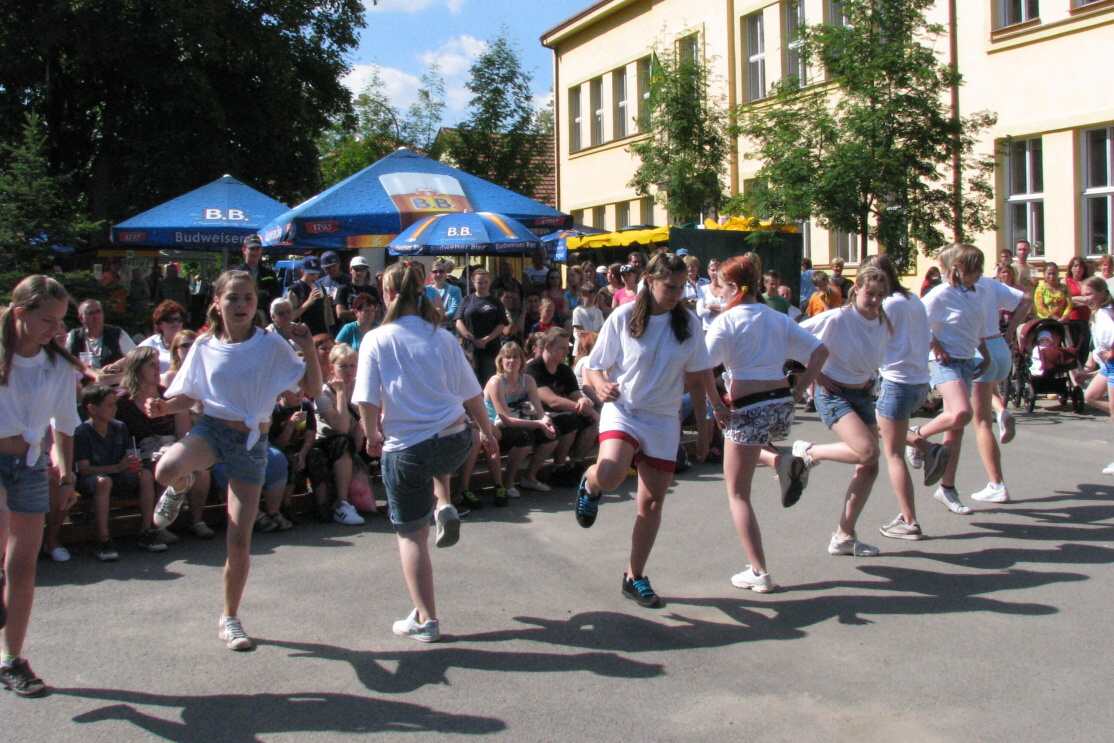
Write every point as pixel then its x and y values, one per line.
pixel 754 340
pixel 704 302
pixel 856 346
pixel 238 381
pixel 578 371
pixel 1102 331
pixel 155 341
pixel 588 318
pixel 650 370
pixel 994 298
pixel 38 394
pixel 906 360
pixel 418 376
pixel 955 319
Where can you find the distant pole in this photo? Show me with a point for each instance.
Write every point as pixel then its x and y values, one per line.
pixel 957 164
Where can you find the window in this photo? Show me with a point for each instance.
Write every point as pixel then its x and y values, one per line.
pixel 755 35
pixel 836 14
pixel 688 49
pixel 619 102
pixel 1025 202
pixel 795 63
pixel 805 227
pixel 577 216
pixel 646 210
pixel 599 216
pixel 1098 190
pixel 644 71
pixel 1084 3
pixel 595 97
pixel 1017 11
pixel 846 246
pixel 622 215
pixel 575 120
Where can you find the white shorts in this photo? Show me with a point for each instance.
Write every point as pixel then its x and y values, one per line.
pixel 656 436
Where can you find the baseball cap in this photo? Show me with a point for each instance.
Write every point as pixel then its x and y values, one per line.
pixel 329 258
pixel 311 265
pixel 626 268
pixel 359 261
pixel 681 253
pixel 601 269
pixel 253 241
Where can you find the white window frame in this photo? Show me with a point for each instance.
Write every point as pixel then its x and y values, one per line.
pixel 1098 192
pixel 795 63
pixel 845 245
pixel 576 120
pixel 595 105
pixel 1029 199
pixel 1024 12
pixel 755 35
pixel 619 122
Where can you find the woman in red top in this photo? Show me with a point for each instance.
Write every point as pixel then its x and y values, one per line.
pixel 1080 315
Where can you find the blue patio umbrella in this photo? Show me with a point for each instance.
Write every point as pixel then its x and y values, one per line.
pixel 468 233
pixel 214 217
pixel 370 208
pixel 556 243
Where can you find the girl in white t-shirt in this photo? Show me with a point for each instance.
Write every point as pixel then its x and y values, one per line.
pixel 638 369
pixel 753 342
pixel 1096 293
pixel 856 336
pixel 38 404
pixel 958 357
pixel 235 371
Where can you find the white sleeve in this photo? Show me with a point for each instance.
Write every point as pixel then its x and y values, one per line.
pixel 1008 297
pixel 287 369
pixel 799 343
pixel 189 380
pixel 578 317
pixel 126 343
pixel 369 384
pixel 698 360
pixel 820 325
pixel 717 340
pixel 65 418
pixel 609 345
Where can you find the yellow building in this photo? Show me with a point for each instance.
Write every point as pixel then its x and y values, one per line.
pixel 1036 63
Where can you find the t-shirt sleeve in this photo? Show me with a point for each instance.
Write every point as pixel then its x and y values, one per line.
pixel 716 340
pixel 461 378
pixel 609 344
pixel 286 368
pixel 698 360
pixel 65 419
pixel 346 334
pixel 82 448
pixel 126 342
pixel 369 385
pixel 1007 296
pixel 190 378
pixel 799 343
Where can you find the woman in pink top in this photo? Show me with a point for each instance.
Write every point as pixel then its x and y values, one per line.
pixel 629 291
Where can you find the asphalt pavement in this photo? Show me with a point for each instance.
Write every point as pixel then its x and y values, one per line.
pixel 993 629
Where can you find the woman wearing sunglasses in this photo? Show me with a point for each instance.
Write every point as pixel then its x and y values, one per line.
pixel 167 320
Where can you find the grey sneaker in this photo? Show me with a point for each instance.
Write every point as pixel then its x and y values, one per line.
pixel 851 547
pixel 448 527
pixel 950 498
pixel 233 634
pixel 170 504
pixel 900 529
pixel 427 631
pixel 935 462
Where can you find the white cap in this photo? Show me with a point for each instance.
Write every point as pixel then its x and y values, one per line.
pixel 359 261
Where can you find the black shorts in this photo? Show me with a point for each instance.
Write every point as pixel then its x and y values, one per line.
pixel 124 484
pixel 515 437
pixel 324 454
pixel 568 421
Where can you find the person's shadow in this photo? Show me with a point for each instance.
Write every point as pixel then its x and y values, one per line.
pixel 243 718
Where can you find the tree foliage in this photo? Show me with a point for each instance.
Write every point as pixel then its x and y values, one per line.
pixel 145 100
pixel 872 155
pixel 683 160
pixel 501 138
pixel 35 212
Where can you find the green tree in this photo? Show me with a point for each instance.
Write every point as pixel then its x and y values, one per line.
pixel 423 118
pixel 35 212
pixel 684 157
pixel 873 154
pixel 500 140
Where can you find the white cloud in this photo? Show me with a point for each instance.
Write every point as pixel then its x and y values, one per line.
pixel 399 87
pixel 455 56
pixel 411 6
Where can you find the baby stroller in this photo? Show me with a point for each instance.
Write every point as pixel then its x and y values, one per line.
pixel 1043 366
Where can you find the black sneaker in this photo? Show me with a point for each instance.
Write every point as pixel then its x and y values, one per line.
pixel 149 540
pixel 471 500
pixel 106 552
pixel 587 505
pixel 638 589
pixel 500 498
pixel 19 678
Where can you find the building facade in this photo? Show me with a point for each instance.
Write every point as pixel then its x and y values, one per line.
pixel 1037 64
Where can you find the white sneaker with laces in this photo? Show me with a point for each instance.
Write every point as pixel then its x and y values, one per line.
pixel 447 520
pixel 992 493
pixel 950 498
pixel 512 492
pixel 851 547
pixel 232 632
pixel 534 485
pixel 59 554
pixel 1108 469
pixel 170 504
pixel 800 450
pixel 1007 427
pixel 345 513
pixel 750 579
pixel 427 631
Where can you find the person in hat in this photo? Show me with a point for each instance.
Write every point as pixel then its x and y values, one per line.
pixel 446 295
pixel 360 283
pixel 334 278
pixel 312 305
pixel 266 283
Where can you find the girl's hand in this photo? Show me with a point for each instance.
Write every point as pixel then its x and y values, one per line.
pixel 300 334
pixel 722 415
pixel 155 407
pixel 374 444
pixel 489 443
pixel 608 392
pixel 547 425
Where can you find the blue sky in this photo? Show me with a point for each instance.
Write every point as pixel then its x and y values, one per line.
pixel 403 36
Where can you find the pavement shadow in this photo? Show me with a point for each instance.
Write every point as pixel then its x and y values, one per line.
pixel 244 718
pixel 418 668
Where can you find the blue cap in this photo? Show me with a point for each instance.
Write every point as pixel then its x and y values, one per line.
pixel 329 258
pixel 311 264
pixel 681 253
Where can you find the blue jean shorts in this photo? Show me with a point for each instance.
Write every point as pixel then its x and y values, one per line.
pixel 1001 361
pixel 28 490
pixel 274 475
pixel 898 401
pixel 408 477
pixel 956 370
pixel 834 405
pixel 240 463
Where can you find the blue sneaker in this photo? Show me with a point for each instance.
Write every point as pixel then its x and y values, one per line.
pixel 638 589
pixel 587 505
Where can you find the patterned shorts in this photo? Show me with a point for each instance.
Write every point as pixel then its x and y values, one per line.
pixel 760 423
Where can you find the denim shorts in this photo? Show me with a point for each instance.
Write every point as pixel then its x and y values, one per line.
pixel 408 477
pixel 240 463
pixel 834 405
pixel 1107 370
pixel 956 370
pixel 275 474
pixel 27 488
pixel 124 484
pixel 1001 360
pixel 898 401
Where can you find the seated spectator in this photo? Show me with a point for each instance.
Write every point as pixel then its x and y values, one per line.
pixel 572 290
pixel 173 288
pixel 824 296
pixel 532 312
pixel 324 343
pixel 108 468
pixel 580 363
pixel 366 308
pixel 282 318
pixel 182 344
pixel 168 319
pixel 533 347
pixel 312 304
pixel 613 282
pixel 293 431
pixel 480 322
pixel 1051 298
pixel 536 275
pixel 339 437
pixel 97 345
pixel 572 413
pixel 629 290
pixel 546 317
pixel 586 317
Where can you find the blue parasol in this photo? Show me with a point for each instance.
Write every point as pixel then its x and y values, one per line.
pixel 465 233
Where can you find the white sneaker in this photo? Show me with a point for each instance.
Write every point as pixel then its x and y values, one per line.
pixel 912 454
pixel 448 526
pixel 232 632
pixel 170 504
pixel 167 537
pixel 345 513
pixel 992 493
pixel 1007 427
pixel 950 498
pixel 539 487
pixel 512 492
pixel 1108 469
pixel 800 449
pixel 851 547
pixel 757 582
pixel 59 554
pixel 428 631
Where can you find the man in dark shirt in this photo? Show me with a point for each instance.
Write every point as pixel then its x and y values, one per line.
pixel 333 279
pixel 312 305
pixel 266 283
pixel 572 413
pixel 361 283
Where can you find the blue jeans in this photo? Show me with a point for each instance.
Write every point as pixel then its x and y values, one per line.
pixel 956 370
pixel 27 487
pixel 898 401
pixel 275 474
pixel 834 405
pixel 227 444
pixel 408 477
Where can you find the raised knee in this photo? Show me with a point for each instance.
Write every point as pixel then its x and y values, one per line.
pixel 868 457
pixel 962 417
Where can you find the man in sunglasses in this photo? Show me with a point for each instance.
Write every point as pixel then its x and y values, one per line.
pixel 266 282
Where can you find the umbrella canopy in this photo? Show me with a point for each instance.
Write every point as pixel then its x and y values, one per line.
pixel 370 208
pixel 557 243
pixel 620 239
pixel 216 216
pixel 468 233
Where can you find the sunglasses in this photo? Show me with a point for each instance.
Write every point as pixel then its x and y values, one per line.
pixel 437 270
pixel 175 320
pixel 362 269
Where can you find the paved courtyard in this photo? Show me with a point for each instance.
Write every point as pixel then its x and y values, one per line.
pixel 995 629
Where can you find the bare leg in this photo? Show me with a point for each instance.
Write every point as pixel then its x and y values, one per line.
pixel 187 456
pixel 146 499
pixel 893 445
pixel 442 491
pixel 1096 392
pixel 417 569
pixel 56 516
pixel 199 494
pixel 861 442
pixel 611 467
pixel 652 485
pixel 991 456
pixel 738 472
pixel 541 453
pixel 243 505
pixel 24 538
